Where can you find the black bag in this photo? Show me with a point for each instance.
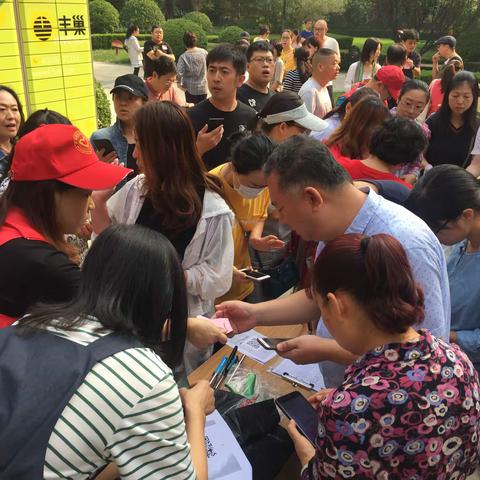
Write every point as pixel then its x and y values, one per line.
pixel 283 277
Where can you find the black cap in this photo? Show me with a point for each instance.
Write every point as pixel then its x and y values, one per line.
pixel 244 35
pixel 131 83
pixel 447 40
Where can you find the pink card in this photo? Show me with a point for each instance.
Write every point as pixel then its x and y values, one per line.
pixel 222 323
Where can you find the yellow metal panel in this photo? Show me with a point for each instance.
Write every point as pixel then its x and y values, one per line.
pixel 59 107
pixel 7 16
pixel 86 125
pixel 11 76
pixel 77 69
pixel 78 80
pixel 49 60
pixel 41 48
pixel 47 96
pixel 45 72
pixel 79 92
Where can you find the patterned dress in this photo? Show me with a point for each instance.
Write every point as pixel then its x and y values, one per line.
pixel 405 411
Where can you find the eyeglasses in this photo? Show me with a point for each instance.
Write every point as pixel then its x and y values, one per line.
pixel 266 60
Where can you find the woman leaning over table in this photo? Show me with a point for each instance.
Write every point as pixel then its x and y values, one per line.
pixel 409 406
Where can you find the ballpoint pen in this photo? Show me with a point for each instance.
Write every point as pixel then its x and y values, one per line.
pixel 224 372
pixel 218 370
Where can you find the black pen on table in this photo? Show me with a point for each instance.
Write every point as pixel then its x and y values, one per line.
pixel 229 363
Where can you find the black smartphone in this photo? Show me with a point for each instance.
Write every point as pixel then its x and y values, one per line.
pixel 270 343
pixel 296 407
pixel 214 123
pixel 254 275
pixel 105 144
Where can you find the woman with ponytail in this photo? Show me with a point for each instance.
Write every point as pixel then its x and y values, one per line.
pixel 410 401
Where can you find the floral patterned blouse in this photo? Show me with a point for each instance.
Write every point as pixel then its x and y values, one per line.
pixel 405 411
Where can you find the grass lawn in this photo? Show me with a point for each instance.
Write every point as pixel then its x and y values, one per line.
pixel 110 57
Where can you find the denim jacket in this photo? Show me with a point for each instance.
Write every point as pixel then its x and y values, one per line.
pixel 114 133
pixel 3 164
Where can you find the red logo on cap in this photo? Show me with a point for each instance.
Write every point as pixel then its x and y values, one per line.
pixel 81 143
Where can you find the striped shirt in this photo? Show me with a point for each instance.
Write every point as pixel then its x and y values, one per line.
pixel 292 81
pixel 127 410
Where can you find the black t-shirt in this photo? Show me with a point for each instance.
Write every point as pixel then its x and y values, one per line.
pixel 253 98
pixel 416 58
pixel 390 189
pixel 148 217
pixel 447 143
pixel 234 122
pixel 150 45
pixel 33 271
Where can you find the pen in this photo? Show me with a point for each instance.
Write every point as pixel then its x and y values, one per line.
pixel 218 370
pixel 288 377
pixel 229 363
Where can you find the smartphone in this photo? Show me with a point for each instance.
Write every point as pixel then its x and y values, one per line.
pixel 213 123
pixel 270 343
pixel 105 144
pixel 254 275
pixel 296 407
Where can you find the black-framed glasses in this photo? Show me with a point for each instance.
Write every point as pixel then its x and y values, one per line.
pixel 442 226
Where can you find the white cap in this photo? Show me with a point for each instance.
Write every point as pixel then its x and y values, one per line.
pixel 298 115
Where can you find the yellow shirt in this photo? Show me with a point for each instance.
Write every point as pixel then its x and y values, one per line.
pixel 288 60
pixel 248 211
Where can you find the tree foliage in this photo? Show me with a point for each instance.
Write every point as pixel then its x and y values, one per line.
pixel 230 34
pixel 173 31
pixel 201 19
pixel 433 18
pixel 143 13
pixel 104 17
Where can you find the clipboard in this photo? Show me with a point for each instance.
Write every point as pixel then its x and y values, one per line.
pixel 307 376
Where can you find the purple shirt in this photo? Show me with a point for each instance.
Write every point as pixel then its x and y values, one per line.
pixel 405 410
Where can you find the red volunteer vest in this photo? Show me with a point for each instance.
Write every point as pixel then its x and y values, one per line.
pixel 16 225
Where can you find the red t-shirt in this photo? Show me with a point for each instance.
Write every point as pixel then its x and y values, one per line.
pixel 358 170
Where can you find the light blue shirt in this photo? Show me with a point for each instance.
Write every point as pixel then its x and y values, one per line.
pixel 426 257
pixel 464 273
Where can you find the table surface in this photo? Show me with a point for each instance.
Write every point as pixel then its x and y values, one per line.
pixel 292 467
pixel 281 385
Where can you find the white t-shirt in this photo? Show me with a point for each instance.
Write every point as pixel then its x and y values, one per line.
pixel 316 98
pixel 476 147
pixel 332 44
pixel 134 51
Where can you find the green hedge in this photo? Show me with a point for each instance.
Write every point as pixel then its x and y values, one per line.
pixel 173 31
pixel 143 13
pixel 104 115
pixel 102 41
pixel 230 34
pixel 201 19
pixel 104 17
pixel 344 41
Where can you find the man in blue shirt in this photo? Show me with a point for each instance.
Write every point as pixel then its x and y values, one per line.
pixel 308 30
pixel 315 197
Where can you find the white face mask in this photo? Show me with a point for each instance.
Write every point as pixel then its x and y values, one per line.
pixel 249 192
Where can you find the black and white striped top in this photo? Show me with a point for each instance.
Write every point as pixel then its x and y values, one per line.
pixel 292 81
pixel 128 411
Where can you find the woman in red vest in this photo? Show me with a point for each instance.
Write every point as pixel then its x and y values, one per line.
pixel 53 172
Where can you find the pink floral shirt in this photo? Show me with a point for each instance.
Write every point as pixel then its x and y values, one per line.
pixel 404 411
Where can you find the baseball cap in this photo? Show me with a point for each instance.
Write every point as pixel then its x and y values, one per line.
pixel 447 40
pixel 299 115
pixel 393 78
pixel 131 83
pixel 244 35
pixel 63 153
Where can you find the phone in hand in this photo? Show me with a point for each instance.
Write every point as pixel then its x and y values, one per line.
pixel 296 407
pixel 103 143
pixel 270 343
pixel 214 122
pixel 254 275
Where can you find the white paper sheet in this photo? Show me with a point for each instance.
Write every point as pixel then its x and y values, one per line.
pixel 308 376
pixel 247 343
pixel 226 460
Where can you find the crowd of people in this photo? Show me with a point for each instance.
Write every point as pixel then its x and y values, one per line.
pixel 113 259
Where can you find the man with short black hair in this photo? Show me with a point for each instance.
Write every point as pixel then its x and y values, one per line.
pixel 254 92
pixel 314 195
pixel 155 48
pixel 446 49
pixel 396 55
pixel 225 73
pixel 314 92
pixel 307 33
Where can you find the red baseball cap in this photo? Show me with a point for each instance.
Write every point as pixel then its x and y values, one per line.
pixel 393 78
pixel 63 153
